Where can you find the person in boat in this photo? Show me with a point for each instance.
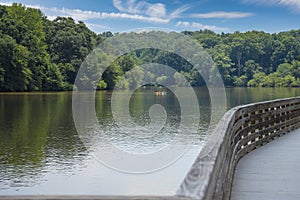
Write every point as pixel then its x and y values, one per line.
pixel 160 93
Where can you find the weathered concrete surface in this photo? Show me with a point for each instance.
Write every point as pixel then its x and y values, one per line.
pixel 270 172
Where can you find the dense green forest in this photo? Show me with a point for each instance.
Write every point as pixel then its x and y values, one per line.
pixel 37 54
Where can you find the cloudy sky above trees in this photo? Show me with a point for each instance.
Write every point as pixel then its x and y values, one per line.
pixel 216 15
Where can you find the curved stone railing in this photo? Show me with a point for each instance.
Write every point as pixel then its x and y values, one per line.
pixel 241 130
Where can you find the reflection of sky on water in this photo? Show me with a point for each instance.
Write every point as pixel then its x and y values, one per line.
pixel 94 178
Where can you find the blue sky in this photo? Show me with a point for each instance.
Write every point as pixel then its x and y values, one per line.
pixel 217 15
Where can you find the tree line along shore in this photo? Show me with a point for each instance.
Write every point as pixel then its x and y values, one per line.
pixel 38 54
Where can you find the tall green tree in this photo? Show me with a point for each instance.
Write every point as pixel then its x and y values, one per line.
pixel 68 44
pixel 25 26
pixel 15 73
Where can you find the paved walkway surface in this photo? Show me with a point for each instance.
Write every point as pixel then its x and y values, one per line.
pixel 270 172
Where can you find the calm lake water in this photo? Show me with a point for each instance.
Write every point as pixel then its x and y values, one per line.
pixel 41 152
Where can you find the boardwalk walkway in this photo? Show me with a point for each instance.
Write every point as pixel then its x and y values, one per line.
pixel 270 172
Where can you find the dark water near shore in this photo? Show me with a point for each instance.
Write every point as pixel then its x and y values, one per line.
pixel 41 152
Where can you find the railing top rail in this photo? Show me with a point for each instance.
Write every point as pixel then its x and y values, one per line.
pixel 212 173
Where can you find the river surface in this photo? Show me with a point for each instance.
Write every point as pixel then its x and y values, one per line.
pixel 41 151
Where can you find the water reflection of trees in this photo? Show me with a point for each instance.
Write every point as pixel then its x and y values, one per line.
pixel 37 133
pixel 241 96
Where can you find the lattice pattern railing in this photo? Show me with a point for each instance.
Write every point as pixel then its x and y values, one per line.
pixel 241 130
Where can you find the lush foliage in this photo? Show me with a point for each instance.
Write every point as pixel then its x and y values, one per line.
pixel 37 54
pixel 255 58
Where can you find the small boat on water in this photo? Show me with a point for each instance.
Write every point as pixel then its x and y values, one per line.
pixel 160 93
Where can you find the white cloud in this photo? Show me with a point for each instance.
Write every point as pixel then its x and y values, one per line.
pixel 53 17
pixel 149 9
pixel 292 4
pixel 177 12
pixel 85 15
pixel 180 23
pixel 158 10
pixel 97 28
pixel 118 5
pixel 195 25
pixel 82 15
pixel 222 15
pixel 141 7
pixel 6 3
